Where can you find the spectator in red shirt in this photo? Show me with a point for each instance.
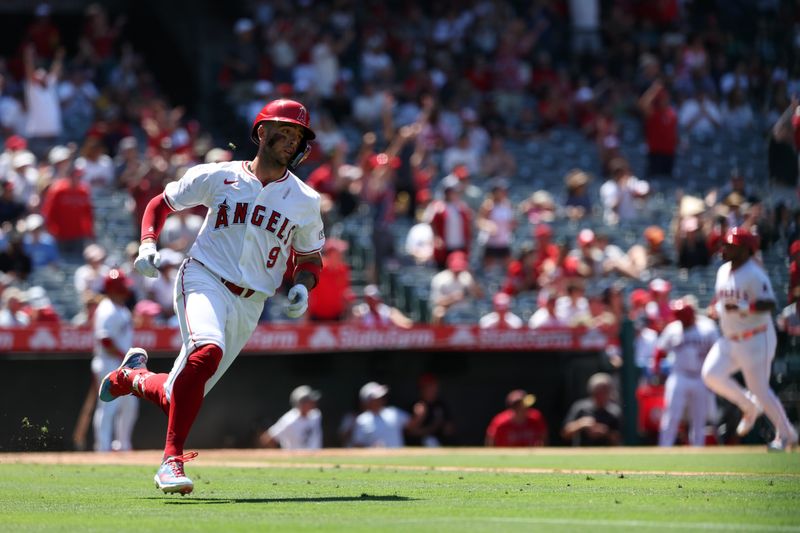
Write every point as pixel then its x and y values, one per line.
pixel 519 425
pixel 452 225
pixel 67 210
pixel 661 130
pixel 794 271
pixel 331 301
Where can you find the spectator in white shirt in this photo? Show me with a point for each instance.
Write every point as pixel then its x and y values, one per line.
pixel 545 316
pixel 380 426
pixel 12 114
pixel 301 426
pixel 44 125
pixel 622 194
pixel 463 153
pixel 501 317
pixel 89 278
pixel 736 112
pixel 98 167
pixel 11 305
pixel 699 115
pixel 573 308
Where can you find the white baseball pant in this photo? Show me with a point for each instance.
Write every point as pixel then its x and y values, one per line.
pixel 681 390
pixel 209 313
pixel 753 357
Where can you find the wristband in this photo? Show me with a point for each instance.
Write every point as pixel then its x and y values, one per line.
pixel 314 268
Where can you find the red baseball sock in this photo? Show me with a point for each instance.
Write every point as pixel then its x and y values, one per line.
pixel 150 386
pixel 187 395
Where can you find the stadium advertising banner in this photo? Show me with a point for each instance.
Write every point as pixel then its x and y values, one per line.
pixel 290 338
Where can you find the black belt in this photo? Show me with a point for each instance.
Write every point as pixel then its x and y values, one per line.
pixel 234 288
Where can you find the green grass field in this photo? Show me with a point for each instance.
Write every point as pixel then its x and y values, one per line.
pixel 742 489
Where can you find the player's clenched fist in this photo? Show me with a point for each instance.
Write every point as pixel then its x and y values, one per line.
pixel 148 260
pixel 298 301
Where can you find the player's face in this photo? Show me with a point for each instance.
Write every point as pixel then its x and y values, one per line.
pixel 733 252
pixel 280 142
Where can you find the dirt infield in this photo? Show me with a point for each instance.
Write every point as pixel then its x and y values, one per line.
pixel 244 458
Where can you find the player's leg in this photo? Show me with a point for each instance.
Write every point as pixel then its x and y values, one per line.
pixel 758 352
pixel 674 404
pixel 717 370
pixel 104 413
pixel 698 412
pixel 127 413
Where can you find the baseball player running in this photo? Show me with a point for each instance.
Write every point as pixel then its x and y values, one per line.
pixel 689 338
pixel 743 301
pixel 258 214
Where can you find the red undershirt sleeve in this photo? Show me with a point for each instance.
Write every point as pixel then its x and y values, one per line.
pixel 155 214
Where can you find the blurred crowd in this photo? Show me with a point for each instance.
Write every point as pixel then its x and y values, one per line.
pixel 415 109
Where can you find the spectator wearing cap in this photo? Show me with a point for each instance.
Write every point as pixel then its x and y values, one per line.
pixel 379 425
pixel 419 243
pixel 595 420
pixel 89 276
pixel 588 257
pixel 12 146
pixel 496 223
pixel 373 312
pixel 520 425
pixel 68 215
pixel 622 194
pixel 501 317
pixel 660 130
pixel 539 209
pixel 12 305
pixel 690 243
pixel 453 289
pixel 577 203
pixel 642 258
pixel 436 427
pixel 545 315
pixel 11 209
pixel 300 428
pixel 60 160
pixel 451 222
pixel 660 295
pixel 39 307
pixel 44 125
pixel 332 301
pixel 794 271
pixel 39 245
pixel 573 308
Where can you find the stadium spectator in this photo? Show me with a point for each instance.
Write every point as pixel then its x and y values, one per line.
pixel 44 126
pixel 496 223
pixel 595 420
pixel 784 143
pixel 90 276
pixel 382 426
pixel 85 316
pixel 451 222
pixel 794 271
pixel 661 130
pixel 699 114
pixel 180 231
pixel 622 194
pixel 545 316
pixel 67 210
pixel 573 308
pixel 38 244
pixel 300 427
pixel 97 167
pixel 333 295
pixel 23 175
pixel 577 203
pixel 539 208
pixel 12 305
pixel 462 153
pixel 587 258
pixel 643 258
pixel 241 64
pixel 501 317
pixel 43 33
pixel 12 113
pixel 77 95
pixel 13 259
pixel 453 289
pixel 498 162
pixel 39 307
pixel 11 209
pixel 736 113
pixel 690 243
pixel 374 312
pixel 419 243
pixel 519 425
pixel 436 428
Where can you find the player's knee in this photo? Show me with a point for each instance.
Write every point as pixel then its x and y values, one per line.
pixel 205 360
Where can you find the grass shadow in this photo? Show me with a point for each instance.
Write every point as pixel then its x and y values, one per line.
pixel 319 499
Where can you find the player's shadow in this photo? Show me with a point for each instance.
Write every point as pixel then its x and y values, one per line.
pixel 319 499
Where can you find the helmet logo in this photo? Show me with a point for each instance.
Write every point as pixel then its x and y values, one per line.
pixel 302 116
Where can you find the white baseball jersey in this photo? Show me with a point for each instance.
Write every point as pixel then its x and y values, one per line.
pixel 747 283
pixel 250 228
pixel 294 431
pixel 688 346
pixel 112 322
pixel 382 430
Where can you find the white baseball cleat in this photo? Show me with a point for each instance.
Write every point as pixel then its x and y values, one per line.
pixel 171 477
pixel 749 419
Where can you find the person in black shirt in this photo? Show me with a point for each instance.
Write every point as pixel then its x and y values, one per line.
pixel 437 427
pixel 596 420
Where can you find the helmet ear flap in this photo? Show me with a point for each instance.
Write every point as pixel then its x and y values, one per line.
pixel 301 154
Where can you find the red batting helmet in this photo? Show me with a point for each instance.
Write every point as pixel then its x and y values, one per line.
pixel 116 281
pixel 683 311
pixel 741 237
pixel 289 111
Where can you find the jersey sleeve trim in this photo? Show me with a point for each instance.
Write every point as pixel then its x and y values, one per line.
pixel 312 252
pixel 169 202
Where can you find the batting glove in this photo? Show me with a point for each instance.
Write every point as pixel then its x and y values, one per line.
pixel 149 259
pixel 298 301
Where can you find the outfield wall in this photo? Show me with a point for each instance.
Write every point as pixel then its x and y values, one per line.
pixel 47 390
